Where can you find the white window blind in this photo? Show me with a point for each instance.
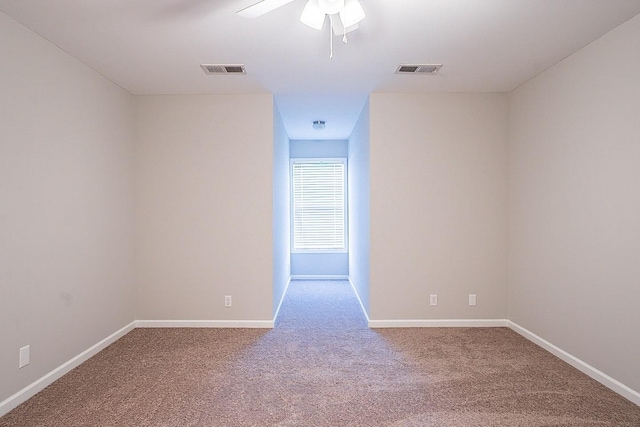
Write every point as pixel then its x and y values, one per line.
pixel 318 205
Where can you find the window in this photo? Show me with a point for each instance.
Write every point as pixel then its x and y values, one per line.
pixel 318 205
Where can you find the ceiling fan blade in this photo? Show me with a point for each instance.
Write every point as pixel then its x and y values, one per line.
pixel 261 8
pixel 351 13
pixel 312 15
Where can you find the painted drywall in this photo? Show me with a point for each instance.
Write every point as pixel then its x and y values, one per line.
pixel 359 207
pixel 574 203
pixel 66 206
pixel 281 217
pixel 319 264
pixel 313 149
pixel 438 205
pixel 204 207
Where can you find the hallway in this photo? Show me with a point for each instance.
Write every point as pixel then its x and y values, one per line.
pixel 321 304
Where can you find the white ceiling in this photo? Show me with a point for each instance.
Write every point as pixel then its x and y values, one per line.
pixel 157 46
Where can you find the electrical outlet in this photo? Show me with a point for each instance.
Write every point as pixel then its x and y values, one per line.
pixel 433 299
pixel 227 300
pixel 25 356
pixel 472 299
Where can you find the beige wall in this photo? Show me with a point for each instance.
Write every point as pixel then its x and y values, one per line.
pixel 204 197
pixel 438 205
pixel 66 206
pixel 574 206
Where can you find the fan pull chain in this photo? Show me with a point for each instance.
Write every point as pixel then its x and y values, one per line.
pixel 330 37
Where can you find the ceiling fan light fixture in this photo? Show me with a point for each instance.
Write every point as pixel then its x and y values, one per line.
pixel 344 16
pixel 331 7
pixel 312 15
pixel 351 13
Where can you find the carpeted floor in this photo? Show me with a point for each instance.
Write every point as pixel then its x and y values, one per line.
pixel 322 366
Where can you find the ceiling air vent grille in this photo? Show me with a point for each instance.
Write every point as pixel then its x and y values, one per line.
pixel 223 69
pixel 426 69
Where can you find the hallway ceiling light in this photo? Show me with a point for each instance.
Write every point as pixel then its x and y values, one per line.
pixel 319 124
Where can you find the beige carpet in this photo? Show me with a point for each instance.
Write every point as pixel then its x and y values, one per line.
pixel 321 366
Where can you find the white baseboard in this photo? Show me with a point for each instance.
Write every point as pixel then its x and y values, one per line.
pixel 439 323
pixel 32 389
pixel 594 373
pixel 319 277
pixel 38 385
pixel 258 324
pixel 286 288
pixel 353 286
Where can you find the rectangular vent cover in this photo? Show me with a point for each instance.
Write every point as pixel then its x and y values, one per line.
pixel 428 69
pixel 223 69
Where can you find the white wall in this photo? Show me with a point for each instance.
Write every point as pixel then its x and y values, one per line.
pixel 204 212
pixel 328 263
pixel 281 217
pixel 318 148
pixel 66 206
pixel 438 205
pixel 574 202
pixel 359 216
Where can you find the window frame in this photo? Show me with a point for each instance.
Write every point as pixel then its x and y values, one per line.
pixel 343 161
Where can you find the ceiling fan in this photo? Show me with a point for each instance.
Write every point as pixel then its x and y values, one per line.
pixel 344 15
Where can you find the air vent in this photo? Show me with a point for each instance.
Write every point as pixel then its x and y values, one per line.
pixel 223 69
pixel 427 69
